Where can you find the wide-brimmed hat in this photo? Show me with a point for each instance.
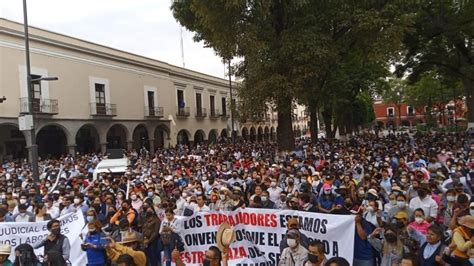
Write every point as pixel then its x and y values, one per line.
pixel 5 249
pixel 467 221
pixel 129 237
pixel 401 215
pixel 225 236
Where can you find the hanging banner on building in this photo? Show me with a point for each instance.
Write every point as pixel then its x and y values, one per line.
pixel 15 234
pixel 259 233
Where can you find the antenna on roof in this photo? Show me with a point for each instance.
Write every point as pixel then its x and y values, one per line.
pixel 182 46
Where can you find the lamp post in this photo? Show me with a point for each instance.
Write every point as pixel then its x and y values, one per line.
pixel 33 148
pixel 231 105
pixel 3 99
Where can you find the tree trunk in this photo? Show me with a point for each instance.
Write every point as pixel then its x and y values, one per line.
pixel 327 118
pixel 313 124
pixel 468 87
pixel 285 134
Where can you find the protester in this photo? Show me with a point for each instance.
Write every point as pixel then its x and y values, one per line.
pixel 432 245
pixel 129 246
pixel 316 255
pixel 55 241
pixel 295 253
pixel 25 256
pixel 5 251
pixel 94 244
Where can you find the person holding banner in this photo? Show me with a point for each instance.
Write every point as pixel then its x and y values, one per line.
pixel 55 240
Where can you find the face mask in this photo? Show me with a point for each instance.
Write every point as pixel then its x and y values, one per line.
pixel 451 198
pixel 77 201
pixel 22 214
pixel 151 194
pixel 312 258
pixel 370 209
pixel 264 198
pixel 401 204
pixel 327 192
pixel 393 202
pixel 133 197
pixel 55 231
pixel 119 196
pixel 91 230
pixel 222 197
pixel 471 212
pixel 90 218
pixel 204 178
pixel 404 180
pixel 391 238
pixel 206 262
pixel 273 184
pixel 399 224
pixel 22 201
pixel 419 220
pixel 291 242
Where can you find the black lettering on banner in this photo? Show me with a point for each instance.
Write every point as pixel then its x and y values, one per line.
pixel 198 239
pixel 273 257
pixel 273 240
pixel 335 249
pixel 194 222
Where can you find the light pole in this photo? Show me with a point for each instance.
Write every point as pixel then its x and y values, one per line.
pixel 33 148
pixel 3 99
pixel 231 104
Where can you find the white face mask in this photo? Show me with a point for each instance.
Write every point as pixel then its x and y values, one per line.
pixel 222 197
pixel 401 204
pixel 77 201
pixel 419 220
pixel 264 198
pixel 471 212
pixel 327 192
pixel 451 198
pixel 291 242
pixel 370 209
pixel 273 184
pixel 22 201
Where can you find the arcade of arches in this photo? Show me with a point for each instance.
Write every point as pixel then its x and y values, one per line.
pixel 259 134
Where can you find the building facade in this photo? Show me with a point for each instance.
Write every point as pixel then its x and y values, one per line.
pixel 388 115
pixel 104 98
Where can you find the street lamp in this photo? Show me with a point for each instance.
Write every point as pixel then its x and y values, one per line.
pixel 33 148
pixel 3 99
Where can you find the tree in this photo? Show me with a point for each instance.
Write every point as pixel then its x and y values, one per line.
pixel 441 39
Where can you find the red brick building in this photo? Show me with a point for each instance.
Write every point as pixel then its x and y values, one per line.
pixel 388 114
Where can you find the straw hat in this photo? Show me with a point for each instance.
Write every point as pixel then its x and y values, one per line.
pixel 5 250
pixel 129 237
pixel 225 236
pixel 467 221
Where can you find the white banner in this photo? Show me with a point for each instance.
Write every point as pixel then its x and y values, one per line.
pixel 15 234
pixel 260 231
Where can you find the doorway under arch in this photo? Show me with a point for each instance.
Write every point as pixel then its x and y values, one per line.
pixel 87 139
pixel 52 141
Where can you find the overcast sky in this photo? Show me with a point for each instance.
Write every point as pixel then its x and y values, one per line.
pixel 144 27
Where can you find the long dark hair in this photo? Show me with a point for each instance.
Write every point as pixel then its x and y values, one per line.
pixel 27 256
pixel 54 258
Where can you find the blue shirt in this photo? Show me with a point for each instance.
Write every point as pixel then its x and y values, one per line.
pixel 362 248
pixel 96 256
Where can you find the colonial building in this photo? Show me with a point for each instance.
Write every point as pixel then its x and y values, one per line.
pixel 103 98
pixel 387 115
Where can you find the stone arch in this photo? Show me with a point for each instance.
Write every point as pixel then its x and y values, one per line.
pixel 87 139
pixel 117 136
pixel 212 138
pixel 183 137
pixel 12 142
pixel 161 135
pixel 253 134
pixel 140 137
pixel 199 137
pixel 52 140
pixel 245 133
pixel 224 134
pixel 260 134
pixel 266 134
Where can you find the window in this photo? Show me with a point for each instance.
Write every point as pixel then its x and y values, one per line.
pixel 36 87
pixel 390 112
pixel 151 99
pixel 212 105
pixel 198 101
pixel 181 103
pixel 410 110
pixel 100 98
pixel 224 107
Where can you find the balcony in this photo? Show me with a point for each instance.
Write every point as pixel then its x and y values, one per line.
pixel 224 114
pixel 183 112
pixel 103 109
pixel 40 106
pixel 214 114
pixel 201 112
pixel 154 112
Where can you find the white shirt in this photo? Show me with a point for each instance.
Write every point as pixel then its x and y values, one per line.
pixel 274 193
pixel 173 224
pixel 53 211
pixel 204 208
pixel 428 205
pixel 291 257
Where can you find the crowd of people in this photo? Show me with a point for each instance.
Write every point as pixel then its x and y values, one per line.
pixel 410 196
